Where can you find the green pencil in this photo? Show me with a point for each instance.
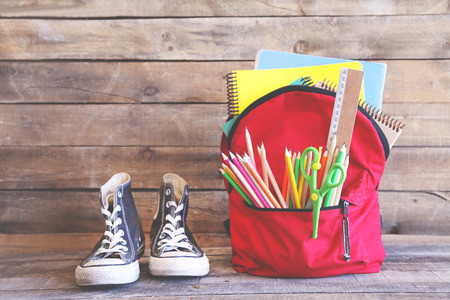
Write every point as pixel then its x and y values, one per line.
pixel 234 184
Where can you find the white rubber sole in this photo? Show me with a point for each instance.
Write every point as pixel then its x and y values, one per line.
pixel 105 275
pixel 178 266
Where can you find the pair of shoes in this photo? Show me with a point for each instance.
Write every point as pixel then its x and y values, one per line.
pixel 174 252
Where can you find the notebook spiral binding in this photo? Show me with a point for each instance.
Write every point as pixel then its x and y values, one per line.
pixel 391 127
pixel 327 85
pixel 232 91
pixel 382 117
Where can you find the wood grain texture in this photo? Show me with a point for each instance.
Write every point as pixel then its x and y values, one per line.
pixel 174 125
pixel 179 8
pixel 412 271
pixel 31 211
pixel 90 167
pixel 115 82
pixel 407 169
pixel 407 81
pixel 58 243
pixel 117 125
pixel 384 37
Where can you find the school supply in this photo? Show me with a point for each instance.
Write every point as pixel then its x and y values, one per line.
pixel 317 194
pixel 374 72
pixel 345 106
pixel 349 240
pixel 246 86
pixel 391 127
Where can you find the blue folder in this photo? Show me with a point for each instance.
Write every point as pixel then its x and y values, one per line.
pixel 374 73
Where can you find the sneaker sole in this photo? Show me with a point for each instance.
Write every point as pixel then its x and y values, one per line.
pixel 178 266
pixel 106 275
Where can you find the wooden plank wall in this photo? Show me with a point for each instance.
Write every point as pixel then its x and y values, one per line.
pixel 91 88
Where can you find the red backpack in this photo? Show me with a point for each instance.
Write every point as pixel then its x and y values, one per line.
pixel 278 242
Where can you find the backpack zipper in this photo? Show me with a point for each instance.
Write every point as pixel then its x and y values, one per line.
pixel 345 231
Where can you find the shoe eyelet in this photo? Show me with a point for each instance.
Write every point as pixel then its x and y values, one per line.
pixel 167 192
pixel 167 205
pixel 119 194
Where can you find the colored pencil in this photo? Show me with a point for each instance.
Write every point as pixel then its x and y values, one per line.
pixel 248 140
pixel 264 164
pixel 249 181
pixel 253 179
pixel 305 183
pixel 237 187
pixel 231 174
pixel 330 150
pixel 261 183
pixel 288 158
pixel 337 198
pixel 246 184
pixel 272 179
pixel 340 159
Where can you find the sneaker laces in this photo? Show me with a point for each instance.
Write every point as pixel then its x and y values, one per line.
pixel 173 238
pixel 113 242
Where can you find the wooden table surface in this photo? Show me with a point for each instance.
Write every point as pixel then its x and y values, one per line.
pixel 416 267
pixel 92 88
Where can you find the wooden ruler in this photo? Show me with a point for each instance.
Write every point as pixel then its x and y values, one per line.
pixel 345 107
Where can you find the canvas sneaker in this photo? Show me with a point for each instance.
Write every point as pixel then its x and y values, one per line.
pixel 174 251
pixel 114 259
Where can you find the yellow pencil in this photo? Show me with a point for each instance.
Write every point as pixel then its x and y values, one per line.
pixel 231 174
pixel 291 176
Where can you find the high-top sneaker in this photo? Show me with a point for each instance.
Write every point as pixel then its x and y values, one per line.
pixel 174 251
pixel 114 259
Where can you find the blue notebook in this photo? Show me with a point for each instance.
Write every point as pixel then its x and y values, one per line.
pixel 374 73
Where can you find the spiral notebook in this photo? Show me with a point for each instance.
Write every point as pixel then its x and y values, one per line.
pixel 246 86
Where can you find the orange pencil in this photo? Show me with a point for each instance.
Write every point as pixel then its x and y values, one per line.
pixel 260 182
pixel 253 180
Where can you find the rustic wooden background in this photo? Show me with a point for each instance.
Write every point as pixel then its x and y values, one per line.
pixel 91 88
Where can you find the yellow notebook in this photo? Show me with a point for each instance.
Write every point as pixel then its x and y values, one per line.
pixel 247 86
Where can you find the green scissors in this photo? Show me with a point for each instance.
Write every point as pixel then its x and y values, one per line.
pixel 316 195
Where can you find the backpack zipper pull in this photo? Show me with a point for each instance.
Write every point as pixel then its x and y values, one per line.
pixel 345 232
